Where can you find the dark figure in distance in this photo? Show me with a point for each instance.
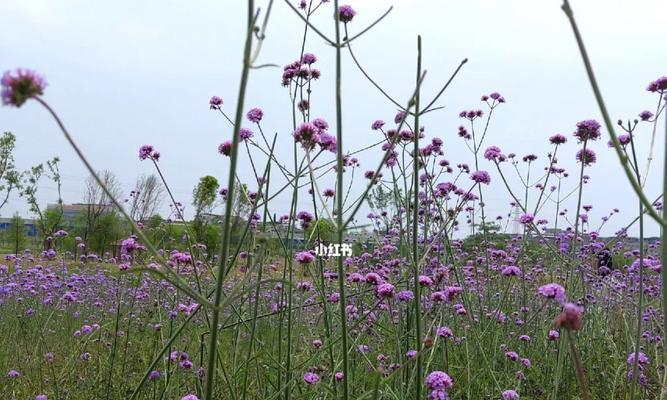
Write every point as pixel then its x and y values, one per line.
pixel 604 261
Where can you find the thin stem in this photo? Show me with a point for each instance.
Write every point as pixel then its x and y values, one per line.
pixel 605 115
pixel 415 228
pixel 581 377
pixel 224 251
pixel 339 204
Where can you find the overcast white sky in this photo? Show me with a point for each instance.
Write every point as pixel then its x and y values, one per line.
pixel 127 73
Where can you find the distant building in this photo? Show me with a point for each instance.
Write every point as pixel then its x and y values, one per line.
pixel 30 225
pixel 78 209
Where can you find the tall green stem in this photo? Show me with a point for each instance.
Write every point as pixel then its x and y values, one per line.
pixel 339 203
pixel 415 227
pixel 224 251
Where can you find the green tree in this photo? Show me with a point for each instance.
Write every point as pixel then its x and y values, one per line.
pixel 10 179
pixel 17 233
pixel 323 228
pixel 203 199
pixel 48 221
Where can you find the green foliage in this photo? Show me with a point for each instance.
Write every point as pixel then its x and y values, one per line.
pixel 48 221
pixel 204 194
pixel 10 179
pixel 203 198
pixel 322 228
pixel 16 234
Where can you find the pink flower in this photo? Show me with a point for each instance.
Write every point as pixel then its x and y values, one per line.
pixel 552 291
pixel 439 380
pixel 255 115
pixel 215 102
pixel 570 317
pixel 346 13
pixel 311 378
pixel 21 85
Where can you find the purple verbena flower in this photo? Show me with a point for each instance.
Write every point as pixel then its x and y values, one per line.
pixel 21 85
pixel 255 115
pixel 346 13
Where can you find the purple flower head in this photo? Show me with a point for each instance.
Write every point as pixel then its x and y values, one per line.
pixel 624 139
pixel 658 86
pixel 385 290
pixel 642 359
pixel 526 219
pixel 512 355
pixel 225 148
pixel 215 102
pixel 645 115
pixel 346 13
pixel 553 335
pixel 311 378
pixel 438 394
pixel 328 143
pixel 570 317
pixel 321 124
pixel 510 395
pixel 444 332
pixel 511 271
pixel 145 151
pixel 586 156
pixel 493 153
pixel 307 134
pixel 245 134
pixel 21 85
pixel 304 257
pixel 304 216
pixel 557 139
pixel 190 397
pixel 481 177
pixel 552 291
pixel 308 58
pixel 378 124
pixel 439 380
pixel 41 397
pixel 424 280
pixel 471 114
pixel 13 373
pixel 405 295
pixel 255 115
pixel 588 129
pixel 154 375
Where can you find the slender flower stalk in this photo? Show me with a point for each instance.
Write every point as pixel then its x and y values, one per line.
pixel 227 225
pixel 640 307
pixel 663 258
pixel 607 120
pixel 339 204
pixel 415 227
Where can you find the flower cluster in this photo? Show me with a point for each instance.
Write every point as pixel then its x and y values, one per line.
pixel 439 383
pixel 658 86
pixel 21 85
pixel 300 72
pixel 346 14
pixel 147 151
pixel 314 133
pixel 586 156
pixel 588 129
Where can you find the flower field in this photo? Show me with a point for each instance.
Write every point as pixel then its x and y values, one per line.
pixel 382 280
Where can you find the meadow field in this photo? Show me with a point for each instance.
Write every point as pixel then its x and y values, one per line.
pixel 386 279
